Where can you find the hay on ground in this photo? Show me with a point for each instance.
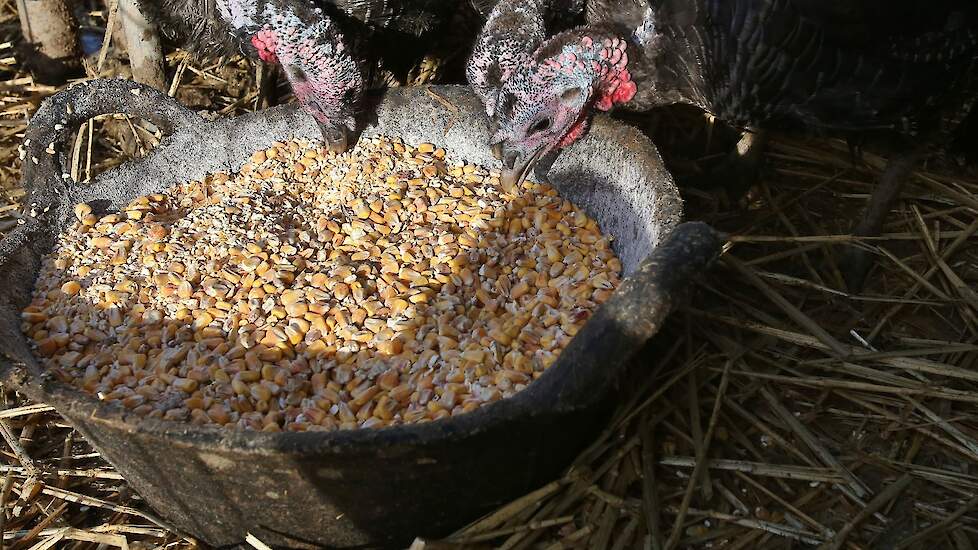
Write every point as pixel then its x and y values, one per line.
pixel 779 410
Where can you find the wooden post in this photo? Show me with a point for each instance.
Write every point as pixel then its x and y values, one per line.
pixel 143 42
pixel 50 48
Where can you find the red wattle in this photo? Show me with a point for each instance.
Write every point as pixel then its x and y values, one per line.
pixel 625 92
pixel 265 42
pixel 575 132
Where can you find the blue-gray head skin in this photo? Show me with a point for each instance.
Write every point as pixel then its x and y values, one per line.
pixel 326 80
pixel 547 104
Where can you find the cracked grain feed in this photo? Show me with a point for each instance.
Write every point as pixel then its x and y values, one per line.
pixel 316 291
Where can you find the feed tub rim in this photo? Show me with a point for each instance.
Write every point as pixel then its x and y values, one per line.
pixel 532 401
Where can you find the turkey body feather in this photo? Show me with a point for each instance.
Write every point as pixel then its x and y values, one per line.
pixel 901 65
pixel 194 24
pixel 198 25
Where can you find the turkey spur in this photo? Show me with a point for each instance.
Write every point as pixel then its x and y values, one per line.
pixel 903 68
pixel 321 45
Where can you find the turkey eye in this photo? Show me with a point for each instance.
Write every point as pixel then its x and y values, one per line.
pixel 297 74
pixel 507 104
pixel 541 125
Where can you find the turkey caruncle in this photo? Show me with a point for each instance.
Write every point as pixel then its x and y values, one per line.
pixel 901 69
pixel 325 47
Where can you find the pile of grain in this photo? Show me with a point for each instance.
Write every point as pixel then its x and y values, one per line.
pixel 315 291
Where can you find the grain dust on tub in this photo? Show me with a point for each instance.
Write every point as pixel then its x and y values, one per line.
pixel 311 291
pixel 216 462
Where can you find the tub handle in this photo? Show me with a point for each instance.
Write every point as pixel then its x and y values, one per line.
pixel 645 299
pixel 45 148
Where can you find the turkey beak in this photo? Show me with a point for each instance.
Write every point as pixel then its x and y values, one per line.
pixel 336 138
pixel 515 168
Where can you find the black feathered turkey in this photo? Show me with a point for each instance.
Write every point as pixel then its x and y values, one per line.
pixel 323 46
pixel 905 67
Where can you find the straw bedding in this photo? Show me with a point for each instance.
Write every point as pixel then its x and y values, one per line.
pixel 779 411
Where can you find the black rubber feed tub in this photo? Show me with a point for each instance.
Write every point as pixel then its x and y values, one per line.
pixel 360 487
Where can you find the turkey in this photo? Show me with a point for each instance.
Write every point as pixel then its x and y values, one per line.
pixel 321 45
pixel 902 68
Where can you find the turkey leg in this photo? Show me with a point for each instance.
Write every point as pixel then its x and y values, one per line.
pixel 740 169
pixel 267 78
pixel 856 262
pixel 746 161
